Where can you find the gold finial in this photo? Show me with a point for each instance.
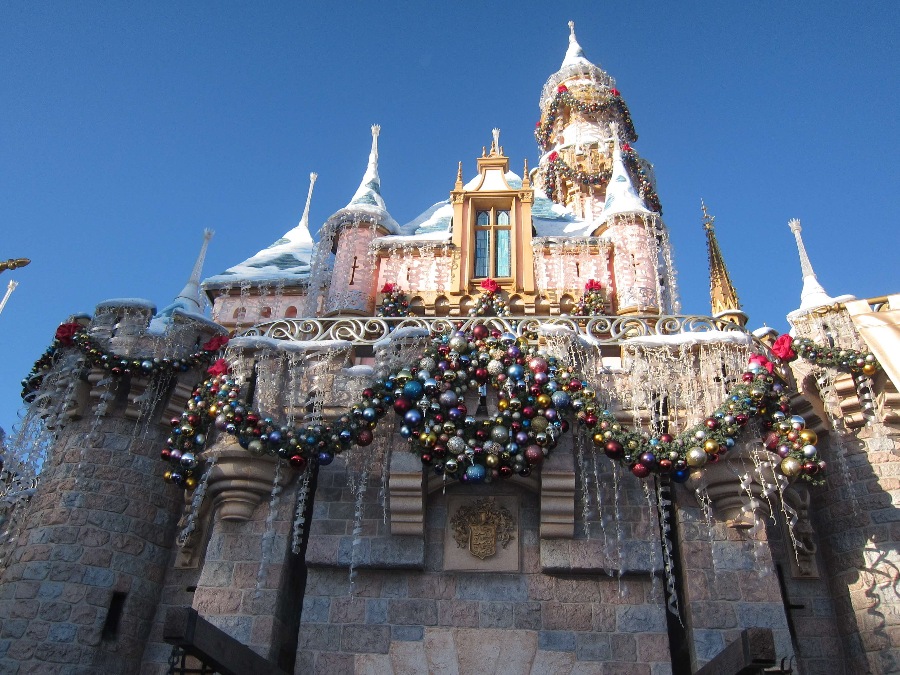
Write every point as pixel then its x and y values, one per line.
pixel 526 181
pixel 459 180
pixel 722 295
pixel 483 151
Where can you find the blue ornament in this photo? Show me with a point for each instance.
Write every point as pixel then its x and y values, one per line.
pixel 561 400
pixel 369 414
pixel 325 458
pixel 515 371
pixel 413 418
pixel 680 476
pixel 346 436
pixel 413 390
pixel 475 473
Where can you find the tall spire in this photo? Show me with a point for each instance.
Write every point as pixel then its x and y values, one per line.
pixel 574 54
pixel 723 297
pixel 190 294
pixel 812 295
pixel 302 229
pixel 369 190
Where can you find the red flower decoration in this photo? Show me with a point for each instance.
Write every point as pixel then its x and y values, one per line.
pixel 220 367
pixel 763 361
pixel 562 89
pixel 216 343
pixel 537 124
pixel 553 156
pixel 626 147
pixel 593 285
pixel 614 92
pixel 490 285
pixel 388 288
pixel 782 347
pixel 66 332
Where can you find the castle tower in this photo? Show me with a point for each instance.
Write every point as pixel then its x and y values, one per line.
pixel 81 584
pixel 269 285
pixel 348 234
pixel 723 297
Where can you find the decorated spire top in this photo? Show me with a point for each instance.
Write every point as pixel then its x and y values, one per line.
pixel 190 294
pixel 723 297
pixel 621 197
pixel 369 190
pixel 574 54
pixel 301 233
pixel 813 295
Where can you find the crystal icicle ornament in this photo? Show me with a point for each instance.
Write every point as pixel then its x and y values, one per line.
pixel 268 538
pixel 299 523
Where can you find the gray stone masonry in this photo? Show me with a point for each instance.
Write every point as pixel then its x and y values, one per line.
pixel 405 613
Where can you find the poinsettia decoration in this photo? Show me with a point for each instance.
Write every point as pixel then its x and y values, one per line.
pixel 782 348
pixel 593 301
pixel 490 303
pixel 394 302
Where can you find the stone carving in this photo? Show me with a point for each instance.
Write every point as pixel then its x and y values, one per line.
pixel 481 526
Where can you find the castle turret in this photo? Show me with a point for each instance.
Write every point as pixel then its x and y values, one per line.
pixel 348 234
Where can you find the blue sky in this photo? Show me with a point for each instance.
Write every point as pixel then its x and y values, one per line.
pixel 127 128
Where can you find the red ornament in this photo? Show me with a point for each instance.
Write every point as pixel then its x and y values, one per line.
pixel 480 332
pixel 364 437
pixel 298 462
pixel 553 156
pixel 562 89
pixel 614 450
pixel 640 470
pixel 626 147
pixel 614 92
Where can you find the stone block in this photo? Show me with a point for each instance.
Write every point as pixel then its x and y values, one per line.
pixel 396 585
pixel 552 662
pixel 760 615
pixel 641 619
pixel 319 637
pixel 416 612
pixel 527 615
pixel 494 587
pixel 407 633
pixel 315 609
pixel 408 658
pixel 566 616
pixel 495 615
pixel 557 640
pixel 707 644
pixel 462 613
pixel 593 647
pixel 397 552
pixel 329 663
pixel 624 647
pixel 347 610
pixel 376 611
pixel 362 638
pixel 62 632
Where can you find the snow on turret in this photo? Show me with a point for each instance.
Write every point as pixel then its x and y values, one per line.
pixel 813 295
pixel 621 197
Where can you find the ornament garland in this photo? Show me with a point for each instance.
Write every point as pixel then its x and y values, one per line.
pixel 490 303
pixel 612 101
pixel 759 394
pixel 788 348
pixel 645 185
pixel 74 334
pixel 394 302
pixel 593 300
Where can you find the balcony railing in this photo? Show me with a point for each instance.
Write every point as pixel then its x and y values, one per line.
pixel 600 330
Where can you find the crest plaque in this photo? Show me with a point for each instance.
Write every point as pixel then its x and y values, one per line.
pixel 481 526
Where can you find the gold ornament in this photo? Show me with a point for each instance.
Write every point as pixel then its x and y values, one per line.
pixel 808 436
pixel 791 467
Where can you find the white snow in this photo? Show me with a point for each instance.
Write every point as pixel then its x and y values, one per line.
pixel 699 337
pixel 259 342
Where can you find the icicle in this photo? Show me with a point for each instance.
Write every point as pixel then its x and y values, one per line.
pixel 601 516
pixel 268 537
pixel 651 507
pixel 705 502
pixel 578 441
pixel 300 511
pixel 663 502
pixel 360 491
pixel 620 535
pixel 196 504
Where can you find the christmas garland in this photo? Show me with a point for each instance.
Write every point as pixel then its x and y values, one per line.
pixel 490 303
pixel 74 334
pixel 394 302
pixel 593 300
pixel 556 166
pixel 788 348
pixel 613 101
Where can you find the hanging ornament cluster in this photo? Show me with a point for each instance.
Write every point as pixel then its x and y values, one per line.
pixel 533 393
pixel 394 302
pixel 611 101
pixel 788 348
pixel 490 303
pixel 760 394
pixel 74 334
pixel 593 301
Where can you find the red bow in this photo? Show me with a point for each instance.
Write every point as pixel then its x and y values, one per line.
pixel 490 285
pixel 66 332
pixel 626 147
pixel 220 367
pixel 562 89
pixel 553 156
pixel 782 347
pixel 592 285
pixel 216 343
pixel 614 92
pixel 387 288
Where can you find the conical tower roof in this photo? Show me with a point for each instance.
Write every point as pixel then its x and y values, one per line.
pixel 723 297
pixel 621 197
pixel 813 295
pixel 286 259
pixel 575 65
pixel 367 203
pixel 189 300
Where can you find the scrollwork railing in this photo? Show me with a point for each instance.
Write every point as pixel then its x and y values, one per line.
pixel 600 329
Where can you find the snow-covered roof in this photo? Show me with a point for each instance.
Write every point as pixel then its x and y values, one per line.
pixel 367 203
pixel 286 259
pixel 576 67
pixel 621 197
